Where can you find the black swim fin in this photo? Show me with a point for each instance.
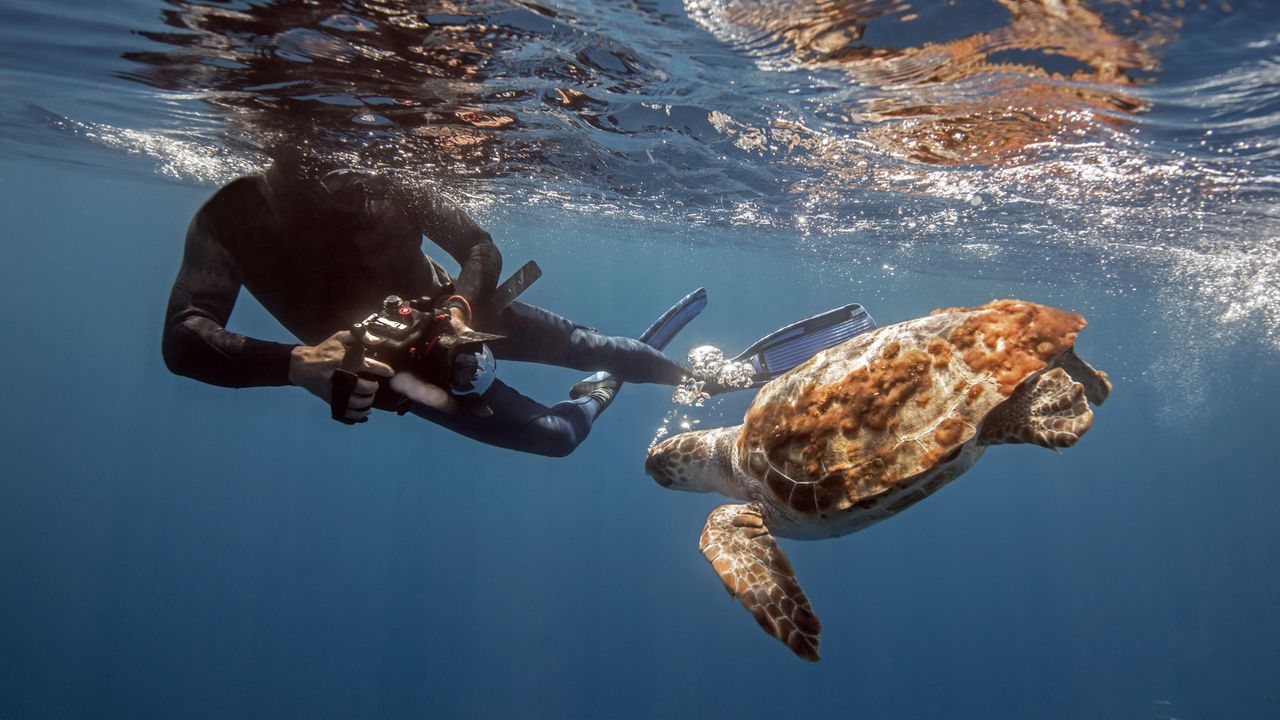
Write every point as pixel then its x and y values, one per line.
pixel 510 289
pixel 787 347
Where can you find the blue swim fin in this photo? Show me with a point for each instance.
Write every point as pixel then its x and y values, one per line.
pixel 787 347
pixel 664 329
pixel 658 335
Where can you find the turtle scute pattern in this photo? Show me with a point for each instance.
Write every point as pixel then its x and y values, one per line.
pixel 842 430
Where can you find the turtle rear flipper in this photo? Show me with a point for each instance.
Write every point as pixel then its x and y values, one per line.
pixel 756 571
pixel 1050 411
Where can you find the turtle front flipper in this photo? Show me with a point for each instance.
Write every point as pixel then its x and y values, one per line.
pixel 756 571
pixel 1096 385
pixel 1050 410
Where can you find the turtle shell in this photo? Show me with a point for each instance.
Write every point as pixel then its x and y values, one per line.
pixel 879 411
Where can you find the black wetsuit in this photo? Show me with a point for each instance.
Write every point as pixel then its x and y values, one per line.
pixel 321 255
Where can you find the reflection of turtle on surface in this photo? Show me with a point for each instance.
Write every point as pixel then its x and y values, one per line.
pixel 866 429
pixel 1029 72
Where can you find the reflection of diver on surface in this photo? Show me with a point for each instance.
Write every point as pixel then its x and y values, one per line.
pixel 321 249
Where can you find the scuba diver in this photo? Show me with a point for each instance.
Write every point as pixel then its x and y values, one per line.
pixel 320 248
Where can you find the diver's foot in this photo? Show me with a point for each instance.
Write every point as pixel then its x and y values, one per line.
pixel 600 391
pixel 602 385
pixel 715 380
pixel 694 391
pixel 711 387
pixel 591 382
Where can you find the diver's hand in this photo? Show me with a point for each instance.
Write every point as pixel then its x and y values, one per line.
pixel 421 391
pixel 311 367
pixel 458 320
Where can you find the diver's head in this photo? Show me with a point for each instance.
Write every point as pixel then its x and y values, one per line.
pixel 297 166
pixel 305 181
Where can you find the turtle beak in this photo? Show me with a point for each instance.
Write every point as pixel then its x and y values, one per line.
pixel 656 461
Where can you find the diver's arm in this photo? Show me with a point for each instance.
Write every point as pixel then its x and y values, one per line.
pixel 465 241
pixel 196 343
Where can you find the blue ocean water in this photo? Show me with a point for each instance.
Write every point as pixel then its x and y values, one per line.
pixel 175 550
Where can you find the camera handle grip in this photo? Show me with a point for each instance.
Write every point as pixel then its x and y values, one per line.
pixel 345 378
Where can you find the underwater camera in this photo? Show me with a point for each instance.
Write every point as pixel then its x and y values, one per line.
pixel 417 336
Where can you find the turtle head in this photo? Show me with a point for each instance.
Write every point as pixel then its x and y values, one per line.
pixel 693 461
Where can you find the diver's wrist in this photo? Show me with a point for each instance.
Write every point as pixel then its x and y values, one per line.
pixel 459 308
pixel 298 363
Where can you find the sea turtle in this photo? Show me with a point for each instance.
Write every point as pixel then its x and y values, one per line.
pixel 867 429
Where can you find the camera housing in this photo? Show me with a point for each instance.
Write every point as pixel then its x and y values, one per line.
pixel 411 336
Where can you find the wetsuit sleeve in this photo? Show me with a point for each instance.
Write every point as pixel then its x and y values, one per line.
pixel 449 227
pixel 196 343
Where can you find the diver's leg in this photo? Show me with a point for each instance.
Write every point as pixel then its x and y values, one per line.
pixel 521 423
pixel 541 336
pixel 560 430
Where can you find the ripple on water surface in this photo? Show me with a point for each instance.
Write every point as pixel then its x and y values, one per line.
pixel 1124 144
